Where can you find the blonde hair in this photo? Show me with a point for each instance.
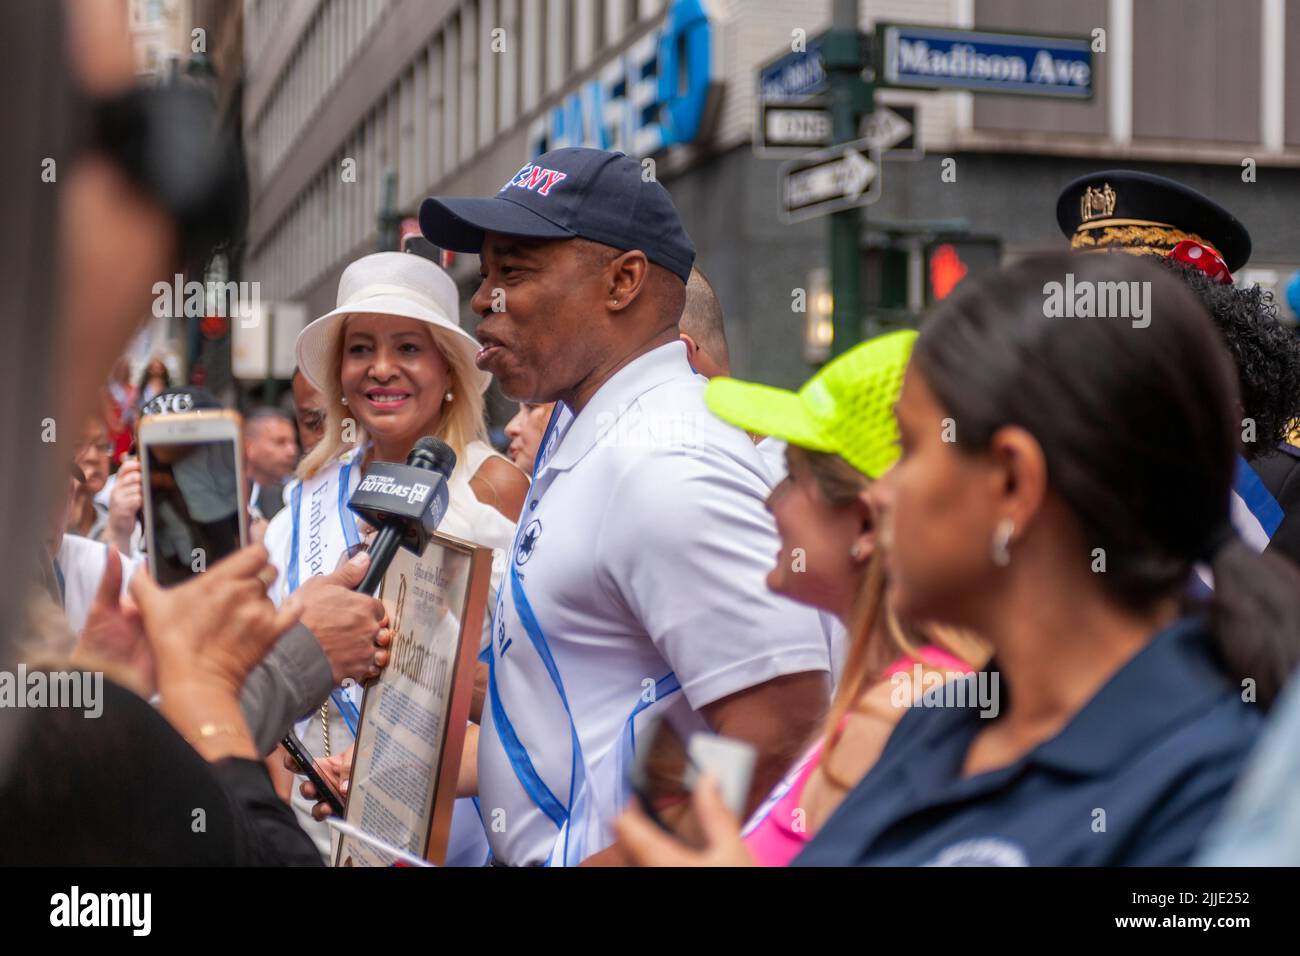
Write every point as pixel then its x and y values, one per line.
pixel 876 637
pixel 460 423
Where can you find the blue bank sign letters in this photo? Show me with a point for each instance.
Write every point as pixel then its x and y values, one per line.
pixel 650 96
pixel 936 58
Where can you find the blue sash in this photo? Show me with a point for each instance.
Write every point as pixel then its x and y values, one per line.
pixel 516 753
pixel 558 812
pixel 1257 498
pixel 352 537
pixel 348 521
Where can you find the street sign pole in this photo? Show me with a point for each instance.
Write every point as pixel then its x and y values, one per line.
pixel 850 97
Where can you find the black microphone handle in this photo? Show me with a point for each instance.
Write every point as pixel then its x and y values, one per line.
pixel 381 555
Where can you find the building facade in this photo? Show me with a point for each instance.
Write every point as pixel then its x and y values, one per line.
pixel 160 34
pixel 354 109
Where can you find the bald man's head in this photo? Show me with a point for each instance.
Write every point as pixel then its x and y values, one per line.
pixel 702 328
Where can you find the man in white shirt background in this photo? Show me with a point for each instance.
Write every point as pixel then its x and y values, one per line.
pixel 636 585
pixel 308 411
pixel 270 456
pixel 705 334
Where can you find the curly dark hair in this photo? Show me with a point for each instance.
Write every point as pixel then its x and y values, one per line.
pixel 1266 354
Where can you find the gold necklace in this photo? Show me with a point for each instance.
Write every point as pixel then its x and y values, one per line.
pixel 325 725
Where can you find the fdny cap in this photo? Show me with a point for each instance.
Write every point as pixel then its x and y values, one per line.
pixel 570 193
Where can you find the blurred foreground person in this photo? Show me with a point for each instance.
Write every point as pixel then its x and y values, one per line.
pixel 119 227
pixel 1088 469
pixel 1260 825
pixel 841 438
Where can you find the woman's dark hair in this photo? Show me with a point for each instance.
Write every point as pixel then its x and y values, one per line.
pixel 1265 353
pixel 1137 418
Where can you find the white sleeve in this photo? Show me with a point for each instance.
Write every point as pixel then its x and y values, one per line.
pixel 687 551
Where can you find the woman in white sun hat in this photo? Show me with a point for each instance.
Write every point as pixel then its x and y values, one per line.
pixel 393 365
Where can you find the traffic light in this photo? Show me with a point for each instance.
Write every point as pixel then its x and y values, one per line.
pixel 884 263
pixel 951 259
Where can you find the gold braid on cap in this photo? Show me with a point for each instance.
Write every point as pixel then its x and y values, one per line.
pixel 1135 236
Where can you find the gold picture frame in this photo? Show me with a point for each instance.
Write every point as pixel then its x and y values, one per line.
pixel 411 732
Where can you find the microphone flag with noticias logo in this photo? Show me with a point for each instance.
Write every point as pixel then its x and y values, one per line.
pixel 391 489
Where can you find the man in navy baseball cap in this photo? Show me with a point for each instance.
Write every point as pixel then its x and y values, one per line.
pixel 591 194
pixel 584 267
pixel 616 571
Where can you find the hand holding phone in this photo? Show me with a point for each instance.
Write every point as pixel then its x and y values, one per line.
pixel 665 772
pixel 193 483
pixel 307 767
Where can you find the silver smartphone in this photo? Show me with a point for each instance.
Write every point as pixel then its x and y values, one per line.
pixel 193 475
pixel 665 771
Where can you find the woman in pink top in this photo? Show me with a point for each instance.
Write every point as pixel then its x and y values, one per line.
pixel 780 827
pixel 821 496
pixel 841 435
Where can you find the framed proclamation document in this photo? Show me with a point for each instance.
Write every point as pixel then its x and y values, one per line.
pixel 412 726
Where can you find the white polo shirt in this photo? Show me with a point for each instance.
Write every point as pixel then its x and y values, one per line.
pixel 640 561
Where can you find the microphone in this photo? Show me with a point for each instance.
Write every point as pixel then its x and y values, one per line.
pixel 405 502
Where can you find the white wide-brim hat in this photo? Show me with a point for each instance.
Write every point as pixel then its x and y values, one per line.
pixel 387 283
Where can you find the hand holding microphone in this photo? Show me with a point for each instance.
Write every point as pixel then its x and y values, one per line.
pixel 406 503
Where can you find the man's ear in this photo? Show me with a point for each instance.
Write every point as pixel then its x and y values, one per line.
pixel 691 348
pixel 628 274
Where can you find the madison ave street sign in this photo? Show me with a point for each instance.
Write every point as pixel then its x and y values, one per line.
pixel 936 58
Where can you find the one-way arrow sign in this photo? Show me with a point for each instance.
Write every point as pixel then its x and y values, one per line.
pixel 885 128
pixel 829 180
pixel 789 128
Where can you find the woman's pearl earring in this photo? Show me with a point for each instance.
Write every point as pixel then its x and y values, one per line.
pixel 448 396
pixel 344 400
pixel 1002 542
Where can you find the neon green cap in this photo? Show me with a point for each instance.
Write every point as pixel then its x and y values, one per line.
pixel 846 409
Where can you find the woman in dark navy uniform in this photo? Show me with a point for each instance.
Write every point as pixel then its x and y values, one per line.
pixel 1088 472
